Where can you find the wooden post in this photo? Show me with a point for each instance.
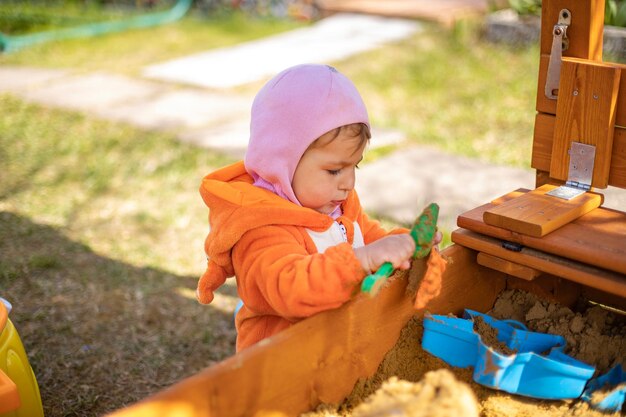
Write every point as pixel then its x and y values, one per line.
pixel 585 114
pixel 585 36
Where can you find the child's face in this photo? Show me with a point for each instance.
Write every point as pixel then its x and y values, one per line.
pixel 326 172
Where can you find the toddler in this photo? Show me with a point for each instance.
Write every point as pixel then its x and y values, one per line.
pixel 286 221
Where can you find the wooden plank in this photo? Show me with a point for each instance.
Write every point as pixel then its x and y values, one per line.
pixel 536 214
pixel 549 288
pixel 604 298
pixel 617 174
pixel 507 267
pixel 620 113
pixel 543 137
pixel 546 105
pixel 542 149
pixel 542 178
pixel 585 114
pixel 585 32
pixel 321 358
pixel 598 238
pixel 445 12
pixel 584 274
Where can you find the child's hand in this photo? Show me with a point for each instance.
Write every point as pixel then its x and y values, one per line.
pixel 437 238
pixel 396 249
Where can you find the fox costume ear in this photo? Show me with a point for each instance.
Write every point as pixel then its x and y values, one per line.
pixel 211 280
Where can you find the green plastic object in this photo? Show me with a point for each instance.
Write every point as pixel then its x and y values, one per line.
pixel 13 43
pixel 422 232
pixel 372 283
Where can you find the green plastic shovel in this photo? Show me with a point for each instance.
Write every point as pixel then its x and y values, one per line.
pixel 423 232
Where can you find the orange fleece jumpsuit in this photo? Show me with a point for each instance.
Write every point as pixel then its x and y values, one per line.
pixel 266 242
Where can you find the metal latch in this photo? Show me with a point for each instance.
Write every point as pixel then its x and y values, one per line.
pixel 560 43
pixel 512 246
pixel 580 173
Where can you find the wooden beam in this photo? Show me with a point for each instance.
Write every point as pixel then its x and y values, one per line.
pixel 597 238
pixel 584 274
pixel 585 114
pixel 507 267
pixel 543 141
pixel 545 105
pixel 604 298
pixel 536 213
pixel 585 32
pixel 549 288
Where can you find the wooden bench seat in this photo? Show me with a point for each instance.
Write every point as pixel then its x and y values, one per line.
pixel 597 238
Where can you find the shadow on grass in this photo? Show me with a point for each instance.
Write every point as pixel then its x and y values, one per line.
pixel 100 333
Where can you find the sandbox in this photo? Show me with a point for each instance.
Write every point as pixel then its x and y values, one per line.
pixel 415 383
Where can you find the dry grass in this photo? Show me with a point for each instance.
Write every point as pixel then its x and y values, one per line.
pixel 101 230
pixel 102 333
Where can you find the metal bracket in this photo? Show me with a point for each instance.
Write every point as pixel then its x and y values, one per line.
pixel 580 173
pixel 560 43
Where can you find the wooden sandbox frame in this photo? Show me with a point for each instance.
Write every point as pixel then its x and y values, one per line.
pixel 321 358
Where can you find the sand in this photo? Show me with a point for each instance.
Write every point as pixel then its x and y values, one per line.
pixel 594 334
pixel 412 382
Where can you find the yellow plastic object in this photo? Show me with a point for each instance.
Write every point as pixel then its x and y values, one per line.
pixel 9 398
pixel 19 392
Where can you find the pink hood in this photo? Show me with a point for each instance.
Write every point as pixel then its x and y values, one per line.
pixel 291 111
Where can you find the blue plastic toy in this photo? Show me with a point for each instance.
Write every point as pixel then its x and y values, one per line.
pixel 529 372
pixel 451 339
pixel 613 399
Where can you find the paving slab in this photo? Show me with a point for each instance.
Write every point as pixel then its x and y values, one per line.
pixel 186 109
pixel 400 185
pixel 228 138
pixel 21 79
pixel 92 92
pixel 331 39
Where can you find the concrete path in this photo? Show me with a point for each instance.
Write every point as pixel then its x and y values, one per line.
pixel 397 186
pixel 331 39
pixel 402 184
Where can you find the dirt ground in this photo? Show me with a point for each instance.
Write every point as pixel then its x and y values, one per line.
pixel 412 382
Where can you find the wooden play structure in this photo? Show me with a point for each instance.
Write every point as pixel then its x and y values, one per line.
pixel 560 248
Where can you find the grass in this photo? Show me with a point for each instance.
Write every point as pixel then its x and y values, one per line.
pixel 450 90
pixel 92 177
pixel 102 227
pixel 101 243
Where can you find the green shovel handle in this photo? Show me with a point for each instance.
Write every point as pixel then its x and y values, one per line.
pixel 422 232
pixel 377 278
